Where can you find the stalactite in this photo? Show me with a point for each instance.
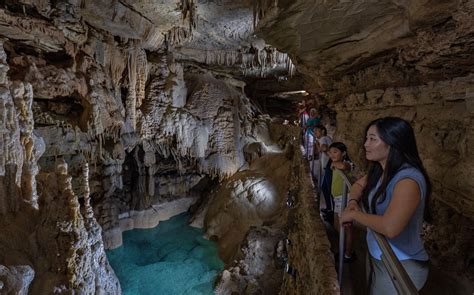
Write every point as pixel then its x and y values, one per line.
pixel 145 199
pixel 137 67
pixel 260 9
pixel 263 61
pixel 131 100
pixel 142 75
pixel 115 130
pixel 152 37
pixel 117 66
pixel 178 35
pixel 188 8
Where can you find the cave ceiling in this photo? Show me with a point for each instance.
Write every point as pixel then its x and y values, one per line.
pixel 338 47
pixel 215 35
pixel 352 46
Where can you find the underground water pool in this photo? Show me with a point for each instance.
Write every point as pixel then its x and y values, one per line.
pixel 172 258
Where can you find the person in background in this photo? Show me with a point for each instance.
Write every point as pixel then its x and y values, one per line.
pixel 313 120
pixel 395 193
pixel 323 141
pixel 339 159
pixel 303 115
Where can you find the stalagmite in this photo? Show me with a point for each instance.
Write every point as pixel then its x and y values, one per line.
pixel 33 145
pixel 21 147
pixel 85 191
pixel 65 187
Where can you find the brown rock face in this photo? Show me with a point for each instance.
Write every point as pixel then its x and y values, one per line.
pixel 70 240
pixel 411 59
pixel 31 249
pixel 443 128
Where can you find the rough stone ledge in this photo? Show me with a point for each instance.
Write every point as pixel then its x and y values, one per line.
pixel 310 250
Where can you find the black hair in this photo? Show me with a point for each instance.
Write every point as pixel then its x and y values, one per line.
pixel 342 147
pixel 322 128
pixel 399 135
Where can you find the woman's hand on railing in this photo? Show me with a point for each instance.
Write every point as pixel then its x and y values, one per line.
pixel 352 205
pixel 347 216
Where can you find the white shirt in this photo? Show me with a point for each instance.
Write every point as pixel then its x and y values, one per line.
pixel 323 157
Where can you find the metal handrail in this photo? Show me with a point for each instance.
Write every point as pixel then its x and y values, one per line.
pixel 342 235
pixel 400 279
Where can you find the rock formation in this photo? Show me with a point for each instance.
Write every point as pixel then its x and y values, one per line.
pixel 116 115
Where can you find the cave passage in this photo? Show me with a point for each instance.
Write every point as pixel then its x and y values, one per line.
pixel 172 258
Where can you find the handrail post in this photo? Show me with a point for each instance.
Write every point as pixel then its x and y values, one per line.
pixel 308 136
pixel 342 235
pixel 312 159
pixel 320 175
pixel 303 125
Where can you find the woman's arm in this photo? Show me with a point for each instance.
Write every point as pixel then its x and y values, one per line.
pixel 405 200
pixel 355 194
pixel 358 188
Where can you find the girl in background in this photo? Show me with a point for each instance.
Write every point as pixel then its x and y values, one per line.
pixel 339 159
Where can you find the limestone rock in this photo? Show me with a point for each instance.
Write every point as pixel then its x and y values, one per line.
pixel 16 279
pixel 248 199
pixel 256 268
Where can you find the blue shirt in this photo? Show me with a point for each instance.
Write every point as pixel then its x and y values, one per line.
pixel 408 244
pixel 312 122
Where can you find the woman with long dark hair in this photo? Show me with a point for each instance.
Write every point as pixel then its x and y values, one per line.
pixel 395 193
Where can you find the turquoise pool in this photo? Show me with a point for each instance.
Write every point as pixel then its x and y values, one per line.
pixel 172 258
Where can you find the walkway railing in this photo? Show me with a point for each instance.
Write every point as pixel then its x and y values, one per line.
pixel 308 266
pixel 402 282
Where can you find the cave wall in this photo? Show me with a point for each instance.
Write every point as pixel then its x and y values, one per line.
pixel 412 59
pixel 47 244
pixel 441 114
